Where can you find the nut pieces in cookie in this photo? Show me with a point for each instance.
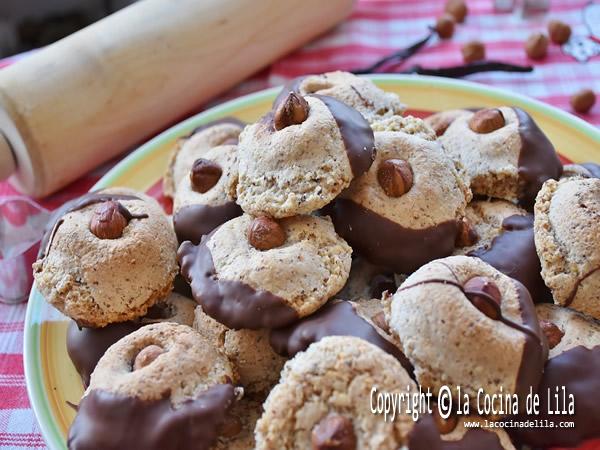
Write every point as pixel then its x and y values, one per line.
pixel 334 432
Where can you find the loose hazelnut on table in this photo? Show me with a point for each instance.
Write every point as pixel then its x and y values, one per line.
pixel 444 26
pixel 487 120
pixel 552 332
pixel 473 51
pixel 536 46
pixel 559 32
pixel 583 101
pixel 108 221
pixel 484 295
pixel 458 9
pixel 204 175
pixel 334 432
pixel 395 177
pixel 265 233
pixel 293 110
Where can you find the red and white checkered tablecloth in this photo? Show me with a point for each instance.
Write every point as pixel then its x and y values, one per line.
pixel 375 29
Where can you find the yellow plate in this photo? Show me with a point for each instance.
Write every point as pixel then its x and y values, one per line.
pixel 51 378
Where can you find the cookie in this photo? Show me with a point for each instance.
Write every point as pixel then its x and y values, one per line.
pixel 573 365
pixel 205 198
pixel 440 121
pixel 323 395
pixel 257 365
pixel 407 209
pixel 193 146
pixel 337 318
pixel 358 92
pixel 505 241
pixel 260 273
pixel 107 257
pixel 453 433
pixel 367 280
pixel 463 323
pixel 585 170
pixel 149 387
pixel 299 157
pixel 86 346
pixel 503 153
pixel 567 238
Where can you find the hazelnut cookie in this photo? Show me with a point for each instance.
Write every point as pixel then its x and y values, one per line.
pixel 357 92
pixel 299 157
pixel 573 365
pixel 205 198
pixel 567 238
pixel 86 346
pixel 503 153
pixel 262 273
pixel 161 388
pixel 107 257
pixel 408 208
pixel 223 132
pixel 323 396
pixel 462 323
pixel 257 365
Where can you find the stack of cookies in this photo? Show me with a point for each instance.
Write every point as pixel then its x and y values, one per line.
pixel 334 246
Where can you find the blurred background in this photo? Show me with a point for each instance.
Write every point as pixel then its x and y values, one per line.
pixel 27 24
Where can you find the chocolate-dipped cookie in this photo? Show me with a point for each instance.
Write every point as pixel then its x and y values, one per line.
pixel 300 156
pixel 223 132
pixel 323 397
pixel 408 208
pixel 257 365
pixel 107 257
pixel 86 346
pixel 367 280
pixel 503 153
pixel 205 198
pixel 502 236
pixel 567 238
pixel 573 365
pixel 443 313
pixel 358 92
pixel 338 318
pixel 262 273
pixel 162 387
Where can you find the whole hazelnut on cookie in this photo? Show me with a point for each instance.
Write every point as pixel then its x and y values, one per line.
pixel 473 51
pixel 293 110
pixel 458 9
pixel 536 46
pixel 108 220
pixel 444 26
pixel 265 233
pixel 395 177
pixel 559 31
pixel 204 175
pixel 583 100
pixel 334 432
pixel 487 120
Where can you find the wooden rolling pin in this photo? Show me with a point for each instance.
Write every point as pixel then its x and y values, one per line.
pixel 81 101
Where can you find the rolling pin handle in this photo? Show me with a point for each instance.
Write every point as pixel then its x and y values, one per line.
pixel 8 165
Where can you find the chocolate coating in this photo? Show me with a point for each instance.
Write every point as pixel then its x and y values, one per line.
pixel 577 370
pixel 513 253
pixel 194 221
pixel 426 436
pixel 388 244
pixel 86 346
pixel 334 319
pixel 108 421
pixel 356 133
pixel 538 160
pixel 233 303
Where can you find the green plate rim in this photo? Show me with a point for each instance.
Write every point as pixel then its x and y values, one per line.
pixel 31 348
